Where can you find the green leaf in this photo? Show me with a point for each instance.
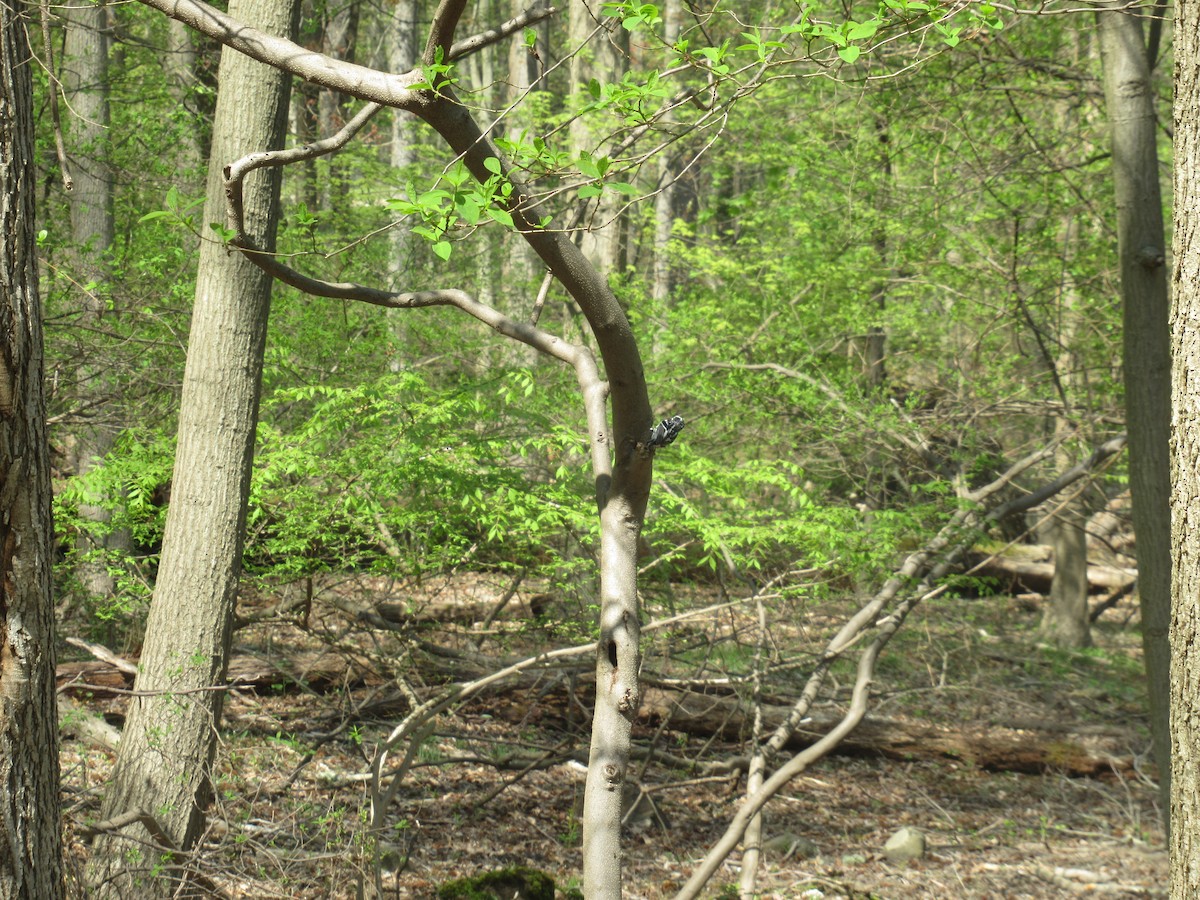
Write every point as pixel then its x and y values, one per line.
pixel 624 188
pixel 860 31
pixel 443 249
pixel 588 191
pixel 468 209
pixel 850 54
pixel 502 216
pixel 588 167
pixel 492 165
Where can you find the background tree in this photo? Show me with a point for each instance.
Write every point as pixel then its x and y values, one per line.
pixel 1130 103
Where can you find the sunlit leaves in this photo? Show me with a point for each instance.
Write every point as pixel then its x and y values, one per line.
pixel 634 16
pixel 457 200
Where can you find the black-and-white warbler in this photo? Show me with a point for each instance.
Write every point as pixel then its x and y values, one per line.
pixel 665 432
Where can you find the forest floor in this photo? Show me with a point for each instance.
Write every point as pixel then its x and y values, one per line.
pixel 491 786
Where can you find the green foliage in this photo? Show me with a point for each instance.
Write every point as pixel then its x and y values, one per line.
pixel 961 228
pixel 463 202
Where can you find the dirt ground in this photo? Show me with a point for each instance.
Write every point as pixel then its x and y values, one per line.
pixel 492 785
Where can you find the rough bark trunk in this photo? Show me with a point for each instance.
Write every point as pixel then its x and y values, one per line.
pixel 30 839
pixel 1129 97
pixel 525 75
pixel 167 748
pixel 1184 840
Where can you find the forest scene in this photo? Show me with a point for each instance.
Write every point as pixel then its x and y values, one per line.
pixel 605 449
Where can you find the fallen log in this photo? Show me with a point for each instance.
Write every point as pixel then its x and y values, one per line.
pixel 1033 747
pixel 314 670
pixel 1037 575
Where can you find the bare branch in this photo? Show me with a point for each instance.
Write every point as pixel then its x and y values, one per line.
pixel 921 570
pixel 441 31
pixel 358 81
pixel 493 35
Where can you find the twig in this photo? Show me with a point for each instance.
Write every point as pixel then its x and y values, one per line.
pixel 55 89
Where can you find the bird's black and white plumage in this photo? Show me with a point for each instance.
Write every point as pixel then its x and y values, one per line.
pixel 665 432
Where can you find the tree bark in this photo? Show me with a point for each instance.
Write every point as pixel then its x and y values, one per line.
pixel 30 837
pixel 1184 839
pixel 1129 97
pixel 170 737
pixel 339 34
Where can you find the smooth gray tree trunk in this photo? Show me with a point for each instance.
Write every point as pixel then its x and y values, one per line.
pixel 401 56
pixel 30 837
pixel 167 749
pixel 1065 621
pixel 597 42
pixel 85 85
pixel 664 200
pixel 180 66
pixel 1129 98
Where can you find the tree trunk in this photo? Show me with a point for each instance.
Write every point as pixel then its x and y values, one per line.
pixel 339 33
pixel 621 493
pixel 401 56
pixel 180 66
pixel 1065 620
pixel 597 54
pixel 1129 97
pixel 875 351
pixel 30 837
pixel 1184 839
pixel 85 85
pixel 664 200
pixel 168 745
